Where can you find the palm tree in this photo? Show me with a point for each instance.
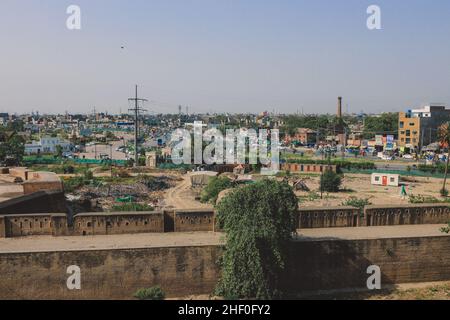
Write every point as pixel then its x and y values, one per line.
pixel 444 139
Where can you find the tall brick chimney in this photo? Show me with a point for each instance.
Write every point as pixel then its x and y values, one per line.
pixel 339 110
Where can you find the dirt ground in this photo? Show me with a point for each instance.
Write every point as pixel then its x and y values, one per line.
pixel 354 185
pixel 182 196
pixel 410 291
pixel 358 185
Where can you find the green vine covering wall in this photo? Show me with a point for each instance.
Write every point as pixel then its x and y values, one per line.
pixel 259 220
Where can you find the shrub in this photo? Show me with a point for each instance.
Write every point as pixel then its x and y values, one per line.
pixel 129 207
pixel 68 169
pixel 259 220
pixel 357 202
pixel 153 293
pixel 443 192
pixel 214 187
pixel 330 181
pixel 426 199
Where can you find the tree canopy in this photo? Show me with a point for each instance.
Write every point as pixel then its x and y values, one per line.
pixel 386 123
pixel 12 147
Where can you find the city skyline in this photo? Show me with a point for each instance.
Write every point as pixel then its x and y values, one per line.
pixel 293 56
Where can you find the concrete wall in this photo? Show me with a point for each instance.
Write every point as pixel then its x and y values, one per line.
pixel 342 264
pixel 38 202
pixel 2 227
pixel 109 274
pixel 40 181
pixel 313 168
pixel 193 220
pixel 20 172
pixel 407 214
pixel 327 217
pixel 118 223
pixel 314 265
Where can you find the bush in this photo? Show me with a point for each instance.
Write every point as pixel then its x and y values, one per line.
pixel 153 293
pixel 121 173
pixel 130 207
pixel 357 202
pixel 214 187
pixel 330 181
pixel 443 192
pixel 259 220
pixel 68 169
pixel 426 199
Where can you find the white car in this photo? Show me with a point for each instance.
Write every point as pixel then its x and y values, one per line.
pixel 407 156
pixel 387 157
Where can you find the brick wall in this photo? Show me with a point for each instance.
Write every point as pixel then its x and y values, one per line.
pixel 313 168
pixel 314 265
pixel 33 225
pixel 109 274
pixel 342 264
pixel 118 223
pixel 407 214
pixel 193 220
pixel 327 217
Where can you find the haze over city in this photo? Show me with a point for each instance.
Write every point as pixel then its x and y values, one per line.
pixel 223 56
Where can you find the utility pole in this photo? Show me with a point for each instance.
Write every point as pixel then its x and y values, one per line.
pixel 136 111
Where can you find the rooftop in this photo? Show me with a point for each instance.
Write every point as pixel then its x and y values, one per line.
pixel 182 239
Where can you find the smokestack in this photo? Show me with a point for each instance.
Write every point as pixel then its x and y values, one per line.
pixel 339 110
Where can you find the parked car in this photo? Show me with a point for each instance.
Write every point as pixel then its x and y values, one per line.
pixel 408 156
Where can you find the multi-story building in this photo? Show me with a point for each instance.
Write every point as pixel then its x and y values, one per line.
pixel 303 135
pixel 46 145
pixel 418 127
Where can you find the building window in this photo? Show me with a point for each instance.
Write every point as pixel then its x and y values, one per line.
pixel 377 179
pixel 402 124
pixel 408 133
pixel 408 140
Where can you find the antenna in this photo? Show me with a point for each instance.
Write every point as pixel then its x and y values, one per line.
pixel 136 111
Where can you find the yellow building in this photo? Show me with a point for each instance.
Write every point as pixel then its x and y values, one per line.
pixel 408 130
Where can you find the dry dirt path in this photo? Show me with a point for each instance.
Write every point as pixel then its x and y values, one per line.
pixel 182 197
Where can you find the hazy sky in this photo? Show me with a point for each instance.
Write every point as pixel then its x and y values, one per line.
pixel 223 55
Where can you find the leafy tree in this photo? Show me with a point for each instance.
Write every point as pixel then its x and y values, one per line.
pixel 444 139
pixel 330 181
pixel 214 187
pixel 12 147
pixel 259 220
pixel 59 151
pixel 386 123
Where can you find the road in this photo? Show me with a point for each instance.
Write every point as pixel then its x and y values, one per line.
pixel 93 152
pixel 182 196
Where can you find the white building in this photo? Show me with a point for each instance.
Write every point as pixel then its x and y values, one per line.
pixel 385 179
pixel 46 145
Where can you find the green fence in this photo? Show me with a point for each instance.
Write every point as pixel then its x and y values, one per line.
pixel 51 160
pixel 416 173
